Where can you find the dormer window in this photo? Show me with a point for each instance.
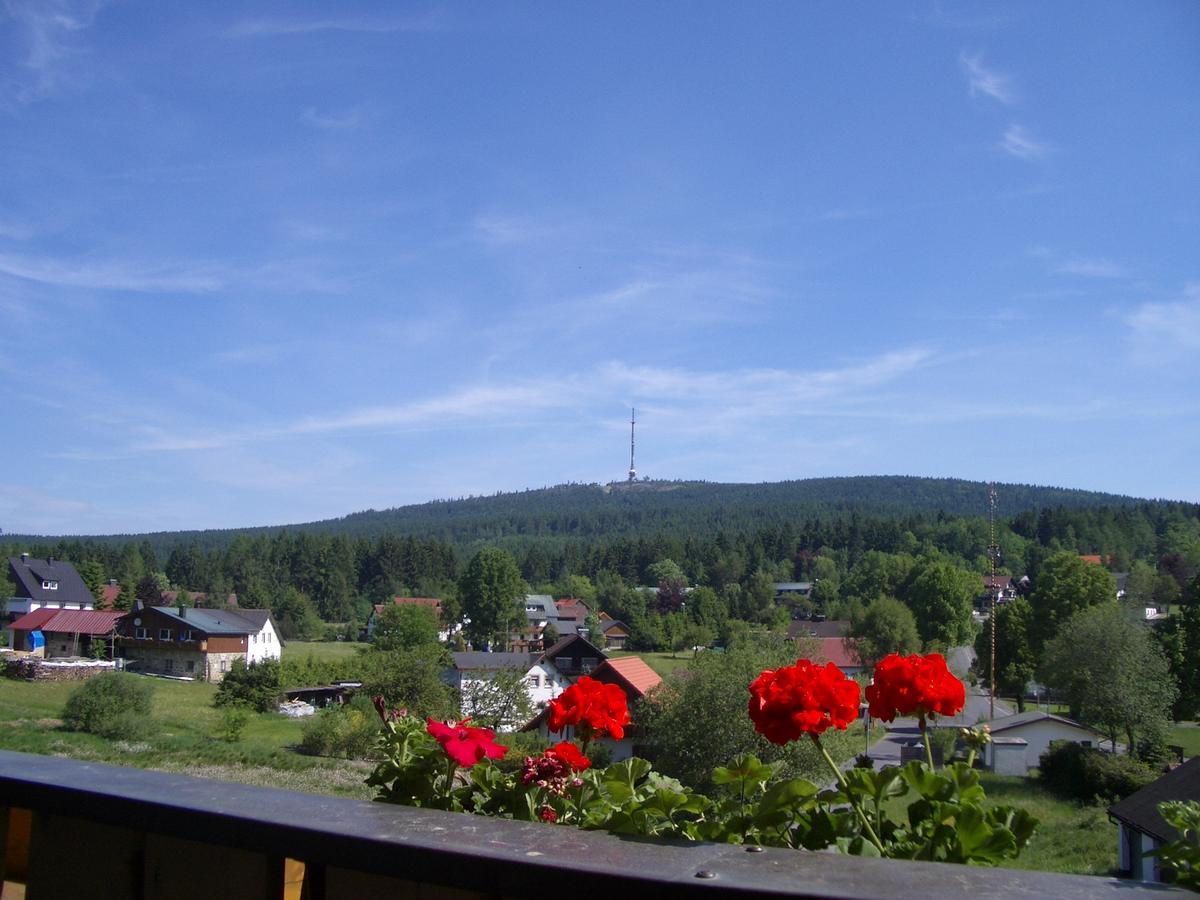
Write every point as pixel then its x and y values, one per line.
pixel 49 585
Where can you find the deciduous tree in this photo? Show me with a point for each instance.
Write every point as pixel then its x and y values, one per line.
pixel 491 589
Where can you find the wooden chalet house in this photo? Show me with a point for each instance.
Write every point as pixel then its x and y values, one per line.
pixel 195 643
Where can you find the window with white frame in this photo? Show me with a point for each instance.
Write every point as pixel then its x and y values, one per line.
pixel 164 634
pixel 142 634
pixel 187 635
pixel 49 585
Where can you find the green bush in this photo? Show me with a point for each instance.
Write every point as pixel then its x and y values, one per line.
pixel 1084 773
pixel 234 718
pixel 350 731
pixel 257 686
pixel 115 705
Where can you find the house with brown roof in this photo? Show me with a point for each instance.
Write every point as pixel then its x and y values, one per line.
pixel 58 633
pixel 1143 829
pixel 434 603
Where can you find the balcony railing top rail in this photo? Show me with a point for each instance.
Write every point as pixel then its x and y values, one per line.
pixel 447 853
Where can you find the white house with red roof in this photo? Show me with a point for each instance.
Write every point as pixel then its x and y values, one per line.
pixel 633 676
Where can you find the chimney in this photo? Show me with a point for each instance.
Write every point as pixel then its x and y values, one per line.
pixel 182 611
pixel 25 558
pixel 50 561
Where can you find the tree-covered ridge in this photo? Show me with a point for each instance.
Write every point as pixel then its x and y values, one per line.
pixel 648 507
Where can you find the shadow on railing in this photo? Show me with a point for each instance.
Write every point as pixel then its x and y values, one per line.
pixel 78 829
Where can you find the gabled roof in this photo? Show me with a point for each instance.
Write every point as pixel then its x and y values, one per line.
pixel 30 573
pixel 1016 720
pixel 559 647
pixel 210 621
pixel 33 621
pixel 608 624
pixel 540 606
pixel 478 660
pixel 631 673
pixel 1140 810
pixel 833 649
pixel 82 621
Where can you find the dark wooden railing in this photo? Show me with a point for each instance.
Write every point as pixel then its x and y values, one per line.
pixel 79 829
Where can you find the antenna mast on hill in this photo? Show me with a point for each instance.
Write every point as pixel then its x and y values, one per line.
pixel 993 553
pixel 632 422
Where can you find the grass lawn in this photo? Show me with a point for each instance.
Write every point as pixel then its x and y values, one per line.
pixel 1186 736
pixel 1072 838
pixel 321 650
pixel 664 663
pixel 182 741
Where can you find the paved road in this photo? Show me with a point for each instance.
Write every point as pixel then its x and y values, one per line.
pixel 886 752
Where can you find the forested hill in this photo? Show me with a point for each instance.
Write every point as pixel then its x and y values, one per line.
pixel 648 507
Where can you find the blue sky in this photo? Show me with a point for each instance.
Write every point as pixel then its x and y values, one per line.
pixel 270 263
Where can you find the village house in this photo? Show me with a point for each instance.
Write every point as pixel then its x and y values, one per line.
pixel 58 633
pixel 474 670
pixel 195 643
pixel 1019 740
pixel 45 584
pixel 633 676
pixel 1143 829
pixel 445 629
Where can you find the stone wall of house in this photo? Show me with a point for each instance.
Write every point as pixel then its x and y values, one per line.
pixel 31 668
pixel 220 663
pixel 167 660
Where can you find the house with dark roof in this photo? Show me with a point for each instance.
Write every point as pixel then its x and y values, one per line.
pixel 1143 829
pixel 45 584
pixel 614 632
pixel 474 670
pixel 195 643
pixel 57 633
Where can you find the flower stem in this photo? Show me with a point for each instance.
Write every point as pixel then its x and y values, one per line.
pixel 862 816
pixel 928 746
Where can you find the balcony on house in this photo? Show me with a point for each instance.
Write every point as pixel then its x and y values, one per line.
pixel 78 829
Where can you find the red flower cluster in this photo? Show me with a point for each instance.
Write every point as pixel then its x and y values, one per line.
pixel 465 744
pixel 553 769
pixel 547 814
pixel 914 685
pixel 802 699
pixel 601 707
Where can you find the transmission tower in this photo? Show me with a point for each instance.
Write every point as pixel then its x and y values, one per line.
pixel 632 423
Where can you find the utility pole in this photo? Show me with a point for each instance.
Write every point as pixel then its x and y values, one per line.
pixel 993 553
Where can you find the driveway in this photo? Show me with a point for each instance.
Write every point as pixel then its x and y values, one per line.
pixel 886 751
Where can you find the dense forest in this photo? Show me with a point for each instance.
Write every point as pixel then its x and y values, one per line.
pixel 730 539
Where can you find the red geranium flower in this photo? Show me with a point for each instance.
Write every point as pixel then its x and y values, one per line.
pixel 465 744
pixel 802 699
pixel 571 755
pixel 914 685
pixel 588 702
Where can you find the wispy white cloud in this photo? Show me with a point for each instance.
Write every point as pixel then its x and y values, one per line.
pixel 1019 142
pixel 984 81
pixel 111 275
pixel 49 34
pixel 1159 327
pixel 1091 268
pixel 431 21
pixel 344 121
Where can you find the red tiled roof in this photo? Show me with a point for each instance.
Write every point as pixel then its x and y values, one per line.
pixel 108 594
pixel 32 621
pixel 1096 560
pixel 83 621
pixel 833 649
pixel 637 677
